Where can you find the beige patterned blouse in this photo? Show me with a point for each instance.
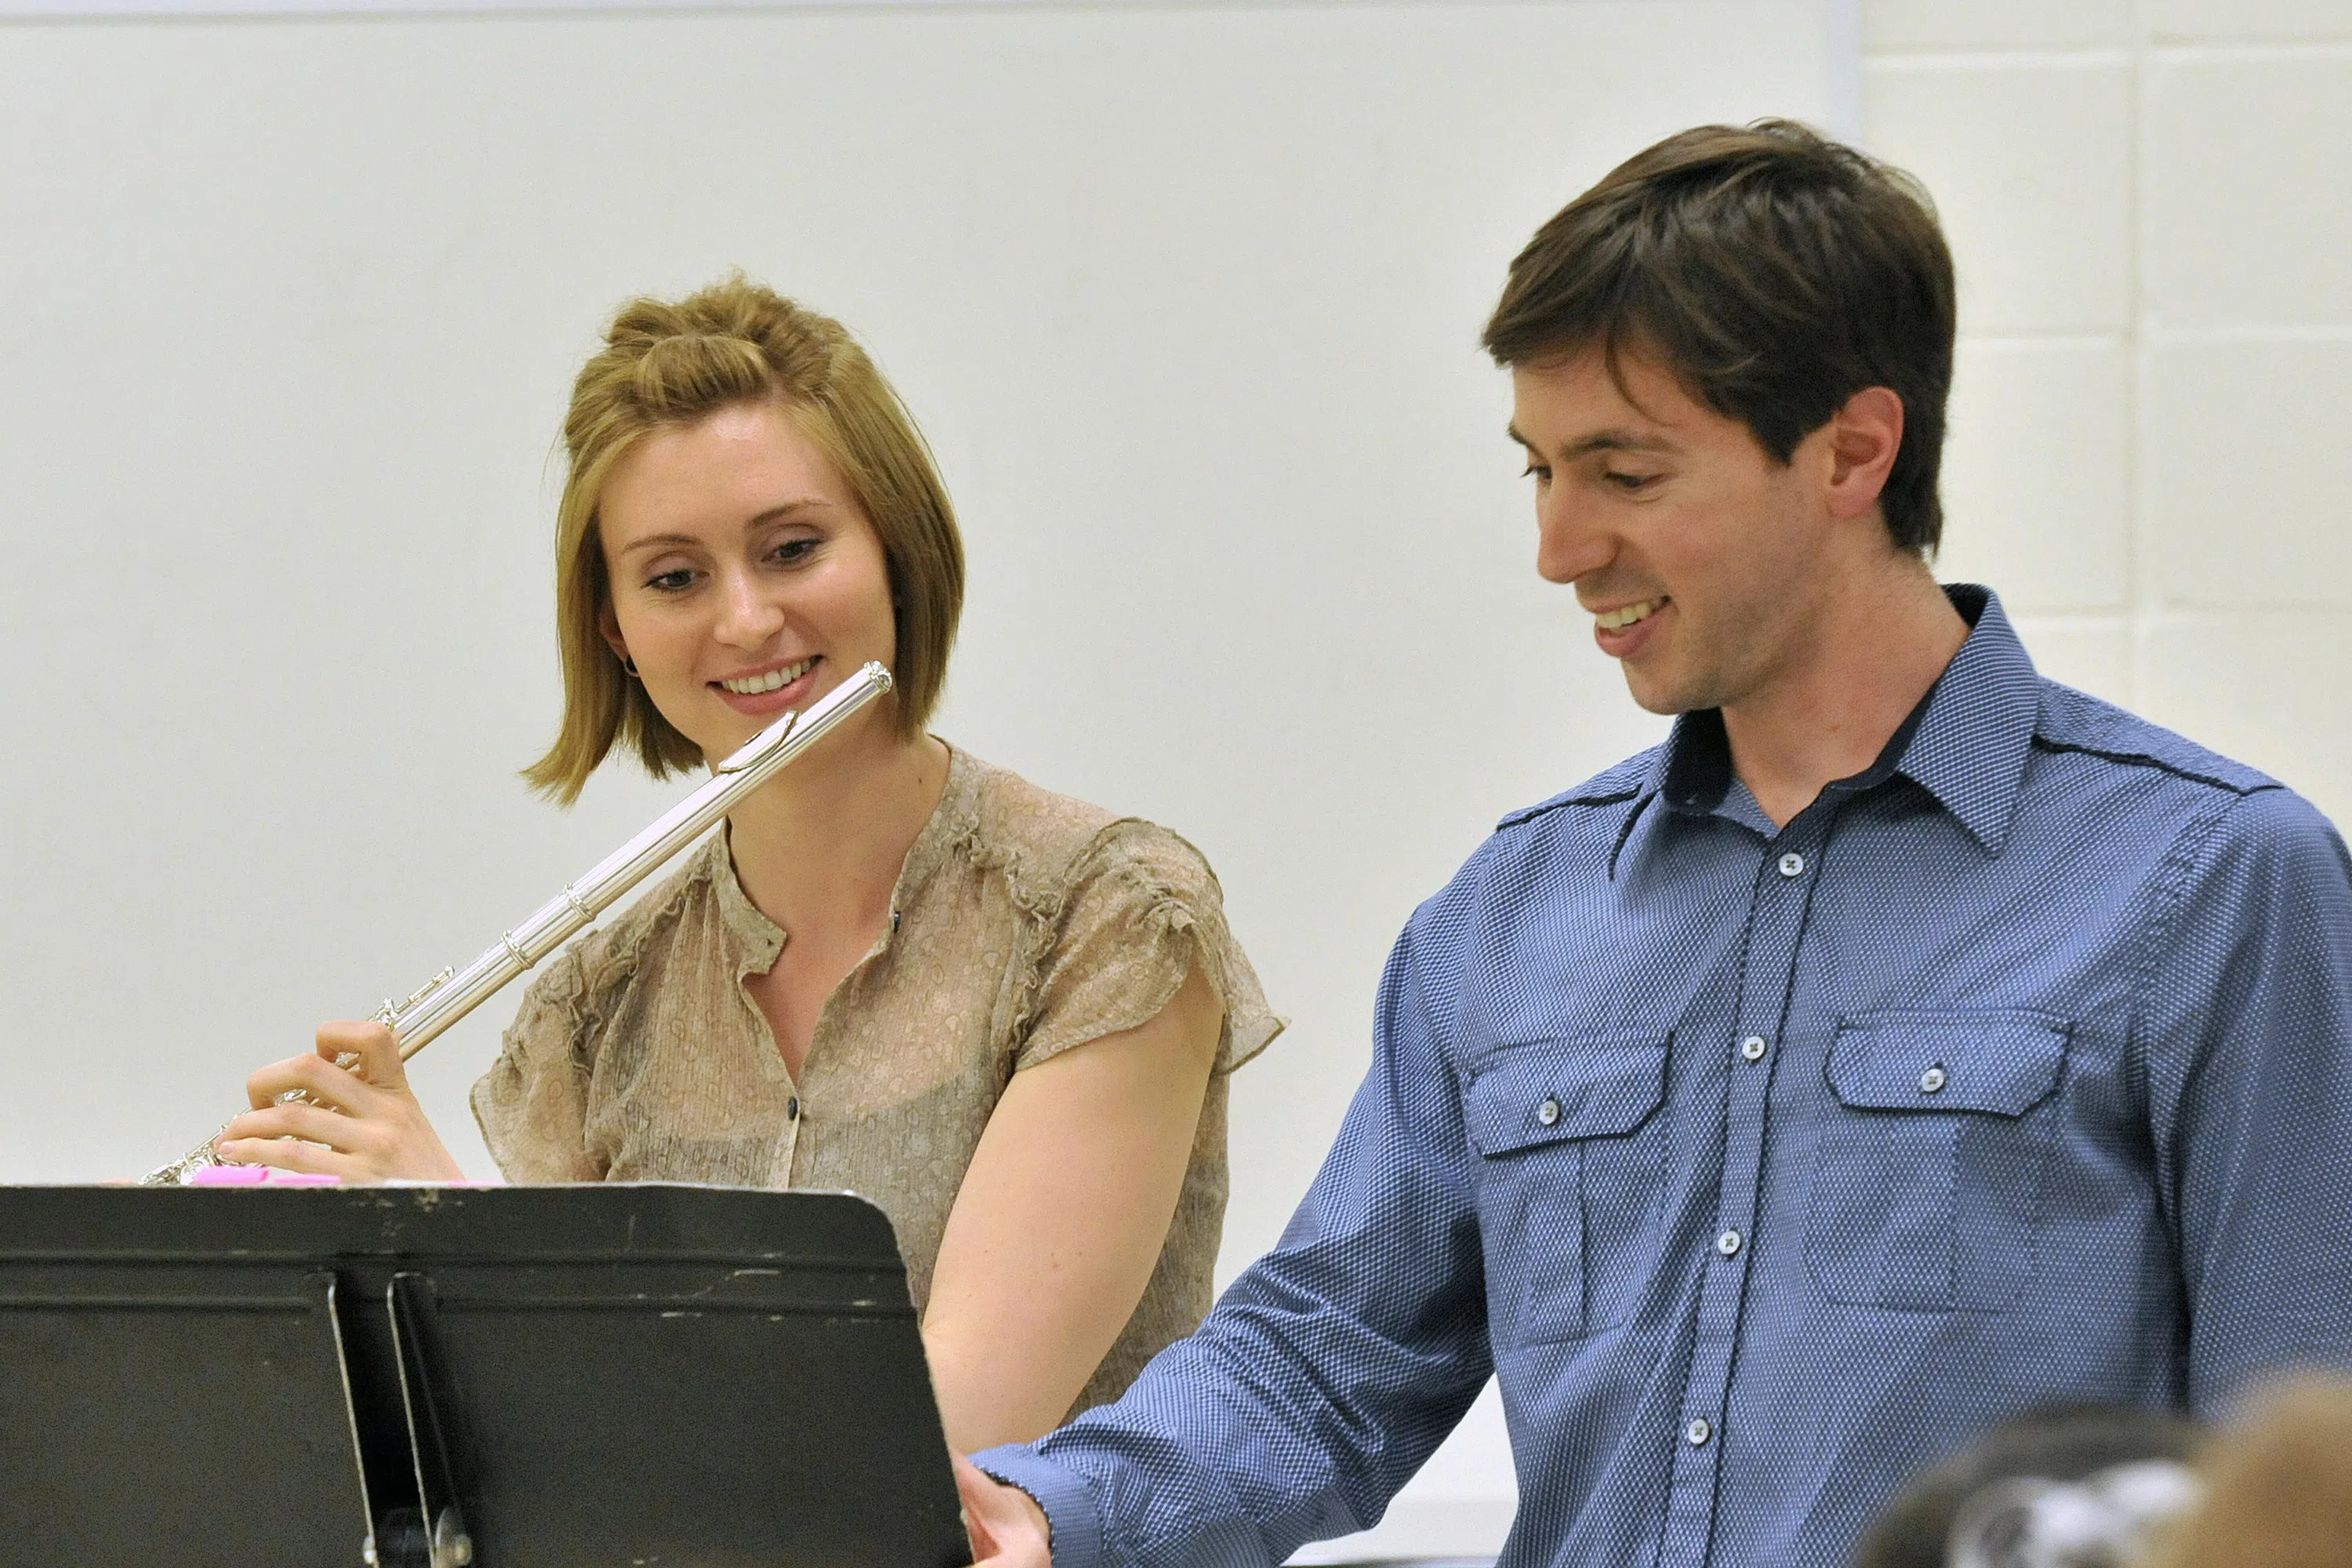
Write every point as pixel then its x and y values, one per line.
pixel 1023 923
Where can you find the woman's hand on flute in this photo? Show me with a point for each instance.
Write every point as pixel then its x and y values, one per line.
pixel 1007 1528
pixel 365 1125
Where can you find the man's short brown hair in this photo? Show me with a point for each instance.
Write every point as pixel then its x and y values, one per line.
pixel 1775 272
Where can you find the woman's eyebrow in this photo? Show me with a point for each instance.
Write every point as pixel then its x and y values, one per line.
pixel 658 542
pixel 783 511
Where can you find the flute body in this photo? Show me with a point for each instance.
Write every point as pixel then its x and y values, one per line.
pixel 452 993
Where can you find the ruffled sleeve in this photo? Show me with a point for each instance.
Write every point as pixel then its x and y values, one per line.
pixel 1140 907
pixel 532 1105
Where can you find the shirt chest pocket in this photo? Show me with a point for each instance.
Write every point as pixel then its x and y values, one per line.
pixel 1570 1153
pixel 1927 1191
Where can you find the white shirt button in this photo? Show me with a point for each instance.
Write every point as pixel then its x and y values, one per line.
pixel 1699 1431
pixel 1932 1080
pixel 1727 1244
pixel 1793 864
pixel 1547 1112
pixel 1753 1048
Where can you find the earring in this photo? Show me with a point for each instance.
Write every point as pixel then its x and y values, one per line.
pixel 631 666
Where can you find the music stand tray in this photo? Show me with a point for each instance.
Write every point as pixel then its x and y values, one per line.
pixel 638 1375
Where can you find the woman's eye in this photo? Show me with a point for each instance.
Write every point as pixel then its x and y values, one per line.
pixel 793 550
pixel 1540 474
pixel 1629 481
pixel 673 582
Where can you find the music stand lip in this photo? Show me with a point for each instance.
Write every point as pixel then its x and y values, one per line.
pixel 732 1222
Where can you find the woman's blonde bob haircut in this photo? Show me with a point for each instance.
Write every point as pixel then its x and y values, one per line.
pixel 668 365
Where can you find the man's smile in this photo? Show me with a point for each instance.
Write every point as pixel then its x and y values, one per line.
pixel 1627 614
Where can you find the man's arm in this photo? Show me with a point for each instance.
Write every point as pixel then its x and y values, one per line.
pixel 2248 1040
pixel 1326 1374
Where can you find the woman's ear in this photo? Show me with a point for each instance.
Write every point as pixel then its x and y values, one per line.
pixel 1863 437
pixel 609 624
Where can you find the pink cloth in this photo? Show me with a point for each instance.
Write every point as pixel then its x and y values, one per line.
pixel 258 1176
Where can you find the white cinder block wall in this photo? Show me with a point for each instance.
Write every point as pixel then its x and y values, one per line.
pixel 2151 201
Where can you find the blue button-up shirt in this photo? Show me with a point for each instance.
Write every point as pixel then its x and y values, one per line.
pixel 1763 1166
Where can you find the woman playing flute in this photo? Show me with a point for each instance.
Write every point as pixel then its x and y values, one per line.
pixel 1003 1016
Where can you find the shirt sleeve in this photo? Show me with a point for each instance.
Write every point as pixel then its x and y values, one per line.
pixel 1141 908
pixel 1325 1376
pixel 2247 1036
pixel 532 1105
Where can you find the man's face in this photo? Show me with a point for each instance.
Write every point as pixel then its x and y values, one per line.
pixel 1700 558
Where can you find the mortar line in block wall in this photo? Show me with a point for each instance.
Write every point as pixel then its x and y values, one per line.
pixel 2139 585
pixel 2073 620
pixel 2046 338
pixel 1842 106
pixel 2088 57
pixel 2221 51
pixel 2162 336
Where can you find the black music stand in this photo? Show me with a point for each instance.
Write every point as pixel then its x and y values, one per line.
pixel 639 1377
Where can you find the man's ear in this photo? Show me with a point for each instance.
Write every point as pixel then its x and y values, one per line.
pixel 1863 437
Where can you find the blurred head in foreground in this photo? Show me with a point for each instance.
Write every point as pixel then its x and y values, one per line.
pixel 2059 1489
pixel 2278 1487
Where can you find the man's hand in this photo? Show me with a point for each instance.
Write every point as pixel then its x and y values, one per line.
pixel 1008 1529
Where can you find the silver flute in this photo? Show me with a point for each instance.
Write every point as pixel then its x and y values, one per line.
pixel 452 993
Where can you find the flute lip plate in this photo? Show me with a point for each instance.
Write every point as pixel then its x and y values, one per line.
pixel 761 744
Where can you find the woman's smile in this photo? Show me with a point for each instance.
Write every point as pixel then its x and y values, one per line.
pixel 770 688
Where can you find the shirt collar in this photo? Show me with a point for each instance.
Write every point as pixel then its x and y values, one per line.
pixel 1966 743
pixel 951 821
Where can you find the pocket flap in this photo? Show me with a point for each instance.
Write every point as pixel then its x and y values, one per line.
pixel 1548 1091
pixel 2002 1063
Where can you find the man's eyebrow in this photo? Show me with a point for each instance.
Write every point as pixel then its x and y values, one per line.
pixel 1613 440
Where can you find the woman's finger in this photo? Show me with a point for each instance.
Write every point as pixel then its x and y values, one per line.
pixel 312 1123
pixel 290 1154
pixel 314 1077
pixel 379 1054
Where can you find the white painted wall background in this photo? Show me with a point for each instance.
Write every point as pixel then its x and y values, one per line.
pixel 1187 298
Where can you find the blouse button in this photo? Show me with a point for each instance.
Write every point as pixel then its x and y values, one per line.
pixel 792 1109
pixel 1792 865
pixel 1932 1081
pixel 1547 1112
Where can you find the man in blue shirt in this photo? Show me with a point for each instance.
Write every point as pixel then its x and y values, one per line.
pixel 1908 1042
